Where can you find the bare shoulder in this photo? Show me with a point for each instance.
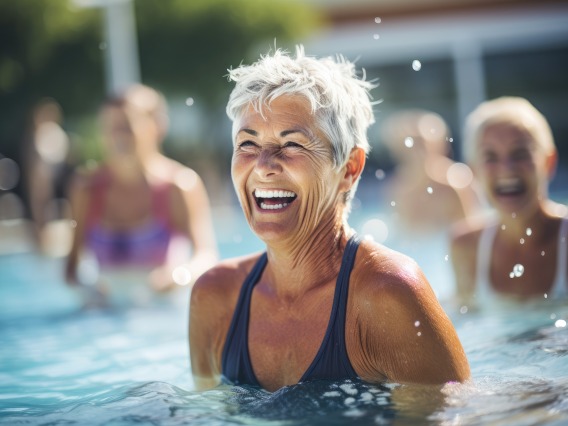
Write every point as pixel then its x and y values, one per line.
pixel 220 285
pixel 382 271
pixel 399 321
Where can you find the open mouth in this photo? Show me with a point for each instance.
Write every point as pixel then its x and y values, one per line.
pixel 273 199
pixel 509 187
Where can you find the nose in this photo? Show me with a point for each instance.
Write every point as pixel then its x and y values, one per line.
pixel 268 163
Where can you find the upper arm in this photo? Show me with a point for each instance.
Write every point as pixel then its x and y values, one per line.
pixel 463 253
pixel 203 366
pixel 197 221
pixel 79 199
pixel 408 338
pixel 213 300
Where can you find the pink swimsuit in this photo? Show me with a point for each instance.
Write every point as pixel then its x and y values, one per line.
pixel 146 245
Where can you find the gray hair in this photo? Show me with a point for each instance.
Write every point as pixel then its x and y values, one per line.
pixel 339 100
pixel 512 110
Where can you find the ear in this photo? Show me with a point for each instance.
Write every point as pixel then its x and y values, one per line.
pixel 551 163
pixel 352 169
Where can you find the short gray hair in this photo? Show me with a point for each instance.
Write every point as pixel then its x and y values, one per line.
pixel 340 101
pixel 513 110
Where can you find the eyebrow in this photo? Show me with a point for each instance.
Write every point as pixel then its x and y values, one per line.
pixel 283 133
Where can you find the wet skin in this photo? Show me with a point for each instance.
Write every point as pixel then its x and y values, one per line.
pixel 305 237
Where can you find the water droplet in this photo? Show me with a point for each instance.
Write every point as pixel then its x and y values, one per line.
pixel 416 65
pixel 377 229
pixel 419 334
pixel 514 215
pixel 393 203
pixel 522 240
pixel 376 36
pixel 181 275
pixel 463 310
pixel 408 142
pixel 380 174
pixel 542 253
pixel 560 323
pixel 529 232
pixel 450 140
pixel 459 175
pixel 446 257
pixel 429 190
pixel 377 20
pixel 518 270
pixel 189 101
pixel 511 274
pixel 552 316
pixel 416 323
pixel 503 227
pixel 545 296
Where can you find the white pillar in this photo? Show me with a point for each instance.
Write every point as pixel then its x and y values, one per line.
pixel 122 63
pixel 469 78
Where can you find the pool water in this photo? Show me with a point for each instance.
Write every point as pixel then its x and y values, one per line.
pixel 61 365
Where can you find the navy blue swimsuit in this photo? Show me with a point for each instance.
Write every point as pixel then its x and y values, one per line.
pixel 331 361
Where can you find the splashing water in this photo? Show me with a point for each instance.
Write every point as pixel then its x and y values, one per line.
pixel 518 270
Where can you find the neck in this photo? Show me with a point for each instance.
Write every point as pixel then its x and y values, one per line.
pixel 298 267
pixel 528 225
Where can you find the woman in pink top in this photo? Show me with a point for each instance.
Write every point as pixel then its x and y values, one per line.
pixel 131 208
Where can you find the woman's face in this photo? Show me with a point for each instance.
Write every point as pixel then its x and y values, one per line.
pixel 126 132
pixel 512 168
pixel 283 172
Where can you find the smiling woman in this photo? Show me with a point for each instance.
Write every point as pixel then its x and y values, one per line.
pixel 512 152
pixel 319 303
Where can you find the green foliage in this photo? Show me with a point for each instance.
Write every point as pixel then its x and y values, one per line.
pixel 54 48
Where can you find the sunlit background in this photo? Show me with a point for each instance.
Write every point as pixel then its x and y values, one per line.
pixel 441 55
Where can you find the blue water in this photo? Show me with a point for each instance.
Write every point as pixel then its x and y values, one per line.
pixel 60 365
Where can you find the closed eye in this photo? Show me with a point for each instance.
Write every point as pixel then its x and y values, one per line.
pixel 292 145
pixel 247 144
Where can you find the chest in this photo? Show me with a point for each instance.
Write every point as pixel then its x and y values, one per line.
pixel 125 208
pixel 524 270
pixel 284 341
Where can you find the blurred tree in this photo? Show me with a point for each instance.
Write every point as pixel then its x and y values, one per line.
pixel 53 48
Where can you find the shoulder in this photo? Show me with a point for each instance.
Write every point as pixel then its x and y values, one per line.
pixel 219 287
pixel 382 274
pixel 85 178
pixel 465 234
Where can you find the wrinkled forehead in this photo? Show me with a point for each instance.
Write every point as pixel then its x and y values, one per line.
pixel 283 113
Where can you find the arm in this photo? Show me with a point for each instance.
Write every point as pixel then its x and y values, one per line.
pixel 204 368
pixel 405 335
pixel 191 216
pixel 79 200
pixel 464 258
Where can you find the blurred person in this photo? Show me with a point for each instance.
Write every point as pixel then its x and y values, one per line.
pixel 47 170
pixel 136 212
pixel 519 252
pixel 319 303
pixel 429 189
pixel 427 192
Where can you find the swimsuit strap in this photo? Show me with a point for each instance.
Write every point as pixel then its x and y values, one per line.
pixel 235 361
pixel 332 361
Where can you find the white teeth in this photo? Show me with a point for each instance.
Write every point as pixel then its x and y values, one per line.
pixel 265 206
pixel 259 193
